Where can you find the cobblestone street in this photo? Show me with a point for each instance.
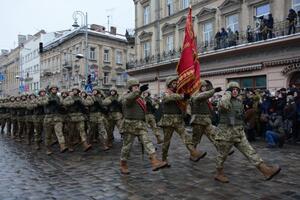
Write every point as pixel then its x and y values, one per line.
pixel 27 174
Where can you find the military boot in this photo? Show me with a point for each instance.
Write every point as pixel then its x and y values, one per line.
pixel 86 146
pixel 157 164
pixel 220 176
pixel 48 150
pixel 268 171
pixel 63 148
pixel 159 139
pixel 196 155
pixel 124 167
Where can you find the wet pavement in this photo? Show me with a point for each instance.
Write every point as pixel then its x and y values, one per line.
pixel 29 174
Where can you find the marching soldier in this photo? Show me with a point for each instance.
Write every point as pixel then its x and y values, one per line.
pixel 76 107
pixel 13 117
pixel 134 125
pixel 232 134
pixel 30 105
pixel 21 104
pixel 2 115
pixel 150 119
pixel 53 122
pixel 38 118
pixel 115 114
pixel 172 120
pixel 97 113
pixel 201 113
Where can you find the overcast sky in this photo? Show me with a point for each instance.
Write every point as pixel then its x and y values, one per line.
pixel 30 16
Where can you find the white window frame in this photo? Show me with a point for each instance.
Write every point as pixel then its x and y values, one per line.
pixel 106 78
pixel 234 26
pixel 92 53
pixel 146 49
pixel 208 32
pixel 169 43
pixel 106 55
pixel 146 14
pixel 120 79
pixel 119 57
pixel 170 7
pixel 256 7
pixel 185 4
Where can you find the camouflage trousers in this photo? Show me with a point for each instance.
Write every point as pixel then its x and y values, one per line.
pixel 38 130
pixel 29 130
pixel 21 128
pixel 133 129
pixel 209 130
pixel 114 119
pixel 53 125
pixel 6 122
pixel 168 133
pixel 14 127
pixel 150 120
pixel 96 127
pixel 234 136
pixel 74 129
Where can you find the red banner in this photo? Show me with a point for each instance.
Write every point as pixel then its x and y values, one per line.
pixel 188 68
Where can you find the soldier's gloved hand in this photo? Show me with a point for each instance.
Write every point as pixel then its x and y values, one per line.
pixel 218 89
pixel 143 88
pixel 186 96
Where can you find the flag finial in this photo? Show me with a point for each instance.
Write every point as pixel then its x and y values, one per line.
pixel 190 6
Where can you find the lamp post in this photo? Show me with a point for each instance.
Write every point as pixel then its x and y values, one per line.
pixel 84 17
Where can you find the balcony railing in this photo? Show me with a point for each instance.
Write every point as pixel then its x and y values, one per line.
pixel 280 29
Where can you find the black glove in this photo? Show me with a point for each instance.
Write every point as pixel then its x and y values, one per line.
pixel 186 96
pixel 218 89
pixel 143 88
pixel 228 90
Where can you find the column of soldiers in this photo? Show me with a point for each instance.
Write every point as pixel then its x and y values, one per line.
pixel 76 117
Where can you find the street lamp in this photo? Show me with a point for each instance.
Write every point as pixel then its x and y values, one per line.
pixel 84 17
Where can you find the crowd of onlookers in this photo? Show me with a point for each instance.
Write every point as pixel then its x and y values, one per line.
pixel 272 116
pixel 264 29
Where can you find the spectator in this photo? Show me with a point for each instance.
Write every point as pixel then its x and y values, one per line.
pixel 250 121
pixel 290 116
pixel 270 25
pixel 224 38
pixel 231 37
pixel 258 28
pixel 264 29
pixel 292 18
pixel 275 133
pixel 237 36
pixel 249 34
pixel 218 39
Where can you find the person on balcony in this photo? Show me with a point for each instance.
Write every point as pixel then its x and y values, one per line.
pixel 292 18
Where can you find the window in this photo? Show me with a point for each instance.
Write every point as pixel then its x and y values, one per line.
pixel 120 79
pixel 170 7
pixel 146 49
pixel 251 82
pixel 146 15
pixel 106 55
pixel 106 78
pixel 185 3
pixel 207 33
pixel 169 43
pixel 119 57
pixel 232 22
pixel 92 53
pixel 262 10
pixel 296 5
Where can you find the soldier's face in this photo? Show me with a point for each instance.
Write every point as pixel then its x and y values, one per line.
pixel 95 92
pixel 75 92
pixel 203 88
pixel 112 93
pixel 135 88
pixel 64 94
pixel 54 90
pixel 235 92
pixel 146 94
pixel 174 85
pixel 42 94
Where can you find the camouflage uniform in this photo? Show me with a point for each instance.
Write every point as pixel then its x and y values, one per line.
pixel 201 116
pixel 76 107
pixel 38 118
pixel 53 120
pixel 30 105
pixel 97 118
pixel 21 112
pixel 232 134
pixel 134 125
pixel 13 116
pixel 150 119
pixel 172 120
pixel 8 117
pixel 2 115
pixel 115 116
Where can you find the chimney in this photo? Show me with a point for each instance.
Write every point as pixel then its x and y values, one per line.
pixel 98 28
pixel 113 30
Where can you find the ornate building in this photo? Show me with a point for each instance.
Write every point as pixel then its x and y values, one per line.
pixel 63 61
pixel 247 54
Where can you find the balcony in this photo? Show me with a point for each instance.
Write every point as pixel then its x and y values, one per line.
pixel 47 72
pixel 67 65
pixel 216 45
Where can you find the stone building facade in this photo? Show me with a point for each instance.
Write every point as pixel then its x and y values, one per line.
pixel 272 62
pixel 108 53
